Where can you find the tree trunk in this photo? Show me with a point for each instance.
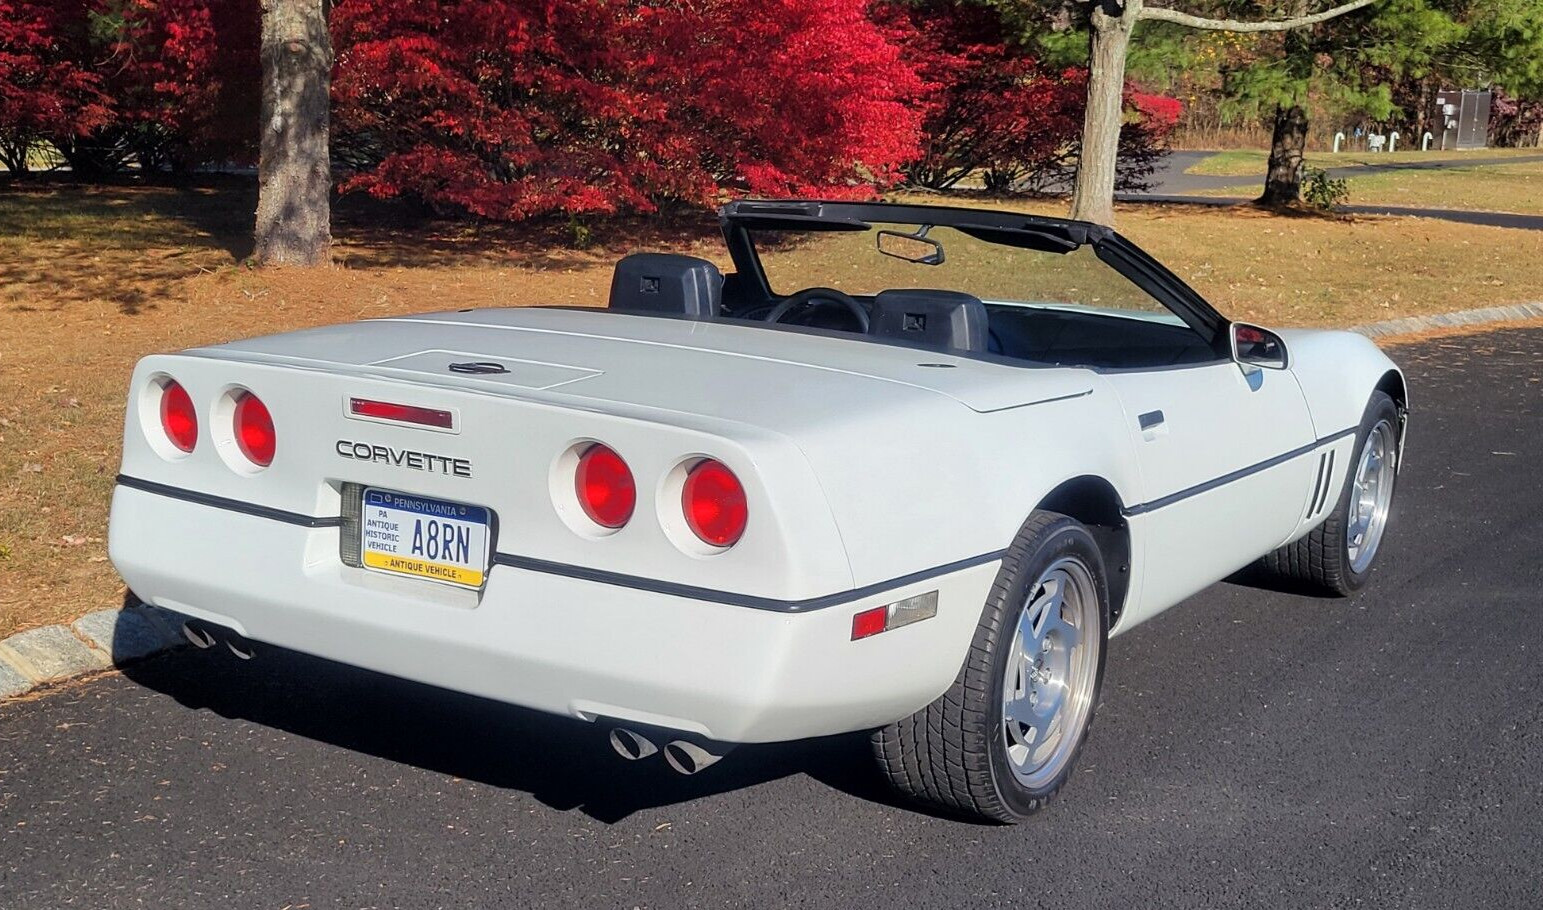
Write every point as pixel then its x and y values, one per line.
pixel 294 173
pixel 1283 180
pixel 1109 39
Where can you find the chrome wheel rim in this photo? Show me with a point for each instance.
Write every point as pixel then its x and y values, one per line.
pixel 1047 688
pixel 1371 496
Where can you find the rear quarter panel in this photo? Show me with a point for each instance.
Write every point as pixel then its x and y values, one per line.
pixel 948 483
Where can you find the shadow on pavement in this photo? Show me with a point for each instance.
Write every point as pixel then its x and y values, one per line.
pixel 566 764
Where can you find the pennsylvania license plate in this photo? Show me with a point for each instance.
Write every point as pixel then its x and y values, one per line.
pixel 424 538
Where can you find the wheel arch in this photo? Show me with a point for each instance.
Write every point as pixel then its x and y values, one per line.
pixel 1392 384
pixel 1094 501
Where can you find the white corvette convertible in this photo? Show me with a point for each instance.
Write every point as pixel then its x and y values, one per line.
pixel 905 470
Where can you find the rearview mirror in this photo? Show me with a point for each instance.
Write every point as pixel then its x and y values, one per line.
pixel 1256 347
pixel 917 247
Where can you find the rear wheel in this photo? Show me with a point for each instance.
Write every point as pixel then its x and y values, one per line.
pixel 1005 737
pixel 1336 557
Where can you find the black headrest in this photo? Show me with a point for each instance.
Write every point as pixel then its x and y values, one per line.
pixel 667 283
pixel 946 320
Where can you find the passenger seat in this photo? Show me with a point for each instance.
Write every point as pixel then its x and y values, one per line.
pixel 667 284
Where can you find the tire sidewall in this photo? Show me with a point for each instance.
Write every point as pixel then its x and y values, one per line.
pixel 1378 408
pixel 1065 537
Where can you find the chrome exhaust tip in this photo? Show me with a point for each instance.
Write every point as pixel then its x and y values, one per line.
pixel 197 636
pixel 240 647
pixel 688 757
pixel 630 744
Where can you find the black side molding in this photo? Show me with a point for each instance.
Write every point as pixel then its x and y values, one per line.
pixel 730 598
pixel 1239 474
pixel 229 505
pixel 584 573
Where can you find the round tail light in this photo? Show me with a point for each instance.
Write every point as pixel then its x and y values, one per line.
pixel 605 487
pixel 178 418
pixel 714 502
pixel 254 430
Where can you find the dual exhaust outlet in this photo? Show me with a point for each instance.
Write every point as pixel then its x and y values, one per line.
pixel 683 755
pixel 201 636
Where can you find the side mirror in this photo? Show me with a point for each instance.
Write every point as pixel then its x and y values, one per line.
pixel 1256 347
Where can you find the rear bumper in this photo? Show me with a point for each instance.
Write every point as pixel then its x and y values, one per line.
pixel 553 642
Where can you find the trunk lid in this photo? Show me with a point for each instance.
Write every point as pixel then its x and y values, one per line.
pixel 748 373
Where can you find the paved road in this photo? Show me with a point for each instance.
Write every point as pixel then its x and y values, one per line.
pixel 1170 177
pixel 1253 749
pixel 1170 184
pixel 1491 219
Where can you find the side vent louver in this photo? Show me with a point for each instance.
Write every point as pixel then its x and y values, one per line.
pixel 1321 488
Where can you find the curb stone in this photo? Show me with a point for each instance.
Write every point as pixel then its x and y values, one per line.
pixel 12 682
pixel 127 635
pixel 1411 324
pixel 96 641
pixel 51 653
pixel 116 637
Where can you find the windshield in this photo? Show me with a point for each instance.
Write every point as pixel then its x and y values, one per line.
pixel 946 258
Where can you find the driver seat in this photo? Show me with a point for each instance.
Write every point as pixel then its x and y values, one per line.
pixel 941 320
pixel 667 284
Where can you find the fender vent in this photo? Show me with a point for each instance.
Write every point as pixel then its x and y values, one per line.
pixel 1324 484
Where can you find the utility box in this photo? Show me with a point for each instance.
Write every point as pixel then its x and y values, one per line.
pixel 1460 119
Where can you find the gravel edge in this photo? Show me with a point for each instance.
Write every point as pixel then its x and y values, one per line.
pixel 1412 324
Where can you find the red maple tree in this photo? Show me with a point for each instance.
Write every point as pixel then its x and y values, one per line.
pixel 44 91
pixel 513 108
pixel 992 110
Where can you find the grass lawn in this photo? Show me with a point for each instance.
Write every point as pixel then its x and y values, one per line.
pixel 1252 163
pixel 93 279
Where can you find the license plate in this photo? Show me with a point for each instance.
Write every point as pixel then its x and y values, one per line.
pixel 425 538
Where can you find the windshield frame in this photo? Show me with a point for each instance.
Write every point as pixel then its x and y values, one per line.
pixel 740 219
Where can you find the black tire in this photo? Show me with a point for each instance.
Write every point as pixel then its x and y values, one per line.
pixel 1319 562
pixel 952 755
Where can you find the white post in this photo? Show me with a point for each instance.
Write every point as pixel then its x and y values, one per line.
pixel 1392 140
pixel 1338 138
pixel 1425 141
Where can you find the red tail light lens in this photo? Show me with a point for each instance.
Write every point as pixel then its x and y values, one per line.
pixel 178 418
pixel 254 430
pixel 605 487
pixel 714 502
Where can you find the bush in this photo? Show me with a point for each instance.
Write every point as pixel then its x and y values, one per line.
pixel 1323 192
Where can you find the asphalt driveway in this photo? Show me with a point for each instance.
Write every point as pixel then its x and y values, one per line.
pixel 1252 749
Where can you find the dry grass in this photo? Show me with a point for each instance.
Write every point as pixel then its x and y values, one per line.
pixel 93 279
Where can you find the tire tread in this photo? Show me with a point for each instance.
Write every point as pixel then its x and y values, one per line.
pixel 941 754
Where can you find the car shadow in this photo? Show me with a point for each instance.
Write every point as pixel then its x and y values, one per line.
pixel 565 764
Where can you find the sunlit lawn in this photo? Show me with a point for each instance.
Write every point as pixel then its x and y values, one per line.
pixel 93 279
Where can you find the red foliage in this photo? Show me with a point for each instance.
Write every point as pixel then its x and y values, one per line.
pixel 513 108
pixel 158 60
pixel 988 107
pixel 1159 112
pixel 43 90
pixel 992 109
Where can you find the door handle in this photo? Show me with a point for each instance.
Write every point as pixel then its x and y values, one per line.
pixel 1150 419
